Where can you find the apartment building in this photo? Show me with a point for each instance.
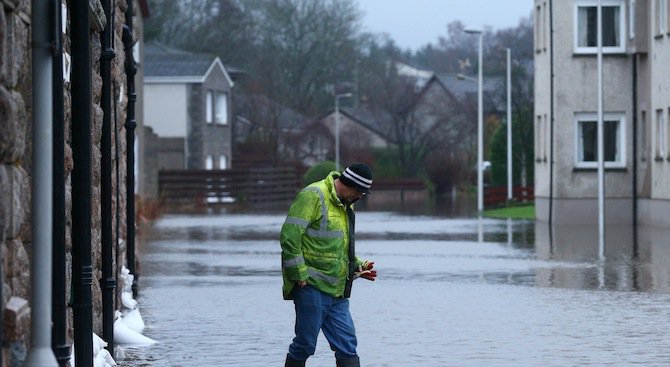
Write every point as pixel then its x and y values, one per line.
pixel 636 107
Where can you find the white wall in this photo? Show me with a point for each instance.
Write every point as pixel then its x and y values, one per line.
pixel 165 109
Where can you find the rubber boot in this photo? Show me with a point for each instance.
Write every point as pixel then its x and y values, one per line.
pixel 290 362
pixel 349 362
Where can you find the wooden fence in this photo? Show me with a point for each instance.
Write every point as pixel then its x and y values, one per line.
pixel 254 186
pixel 498 195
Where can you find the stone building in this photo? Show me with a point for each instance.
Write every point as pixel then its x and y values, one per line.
pixel 16 148
pixel 636 111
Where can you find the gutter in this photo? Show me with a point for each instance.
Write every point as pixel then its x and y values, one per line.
pixel 82 270
pixel 40 353
pixel 108 280
pixel 130 125
pixel 551 112
pixel 58 298
pixel 635 198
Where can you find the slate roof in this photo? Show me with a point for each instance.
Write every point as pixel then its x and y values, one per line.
pixel 164 61
pixel 378 121
pixel 466 88
pixel 257 107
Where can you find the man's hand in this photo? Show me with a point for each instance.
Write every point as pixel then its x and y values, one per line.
pixel 301 283
pixel 365 271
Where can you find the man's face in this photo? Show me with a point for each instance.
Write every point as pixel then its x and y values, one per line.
pixel 350 195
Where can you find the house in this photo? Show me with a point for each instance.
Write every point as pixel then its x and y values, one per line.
pixel 268 133
pixel 636 107
pixel 432 114
pixel 187 113
pixel 78 101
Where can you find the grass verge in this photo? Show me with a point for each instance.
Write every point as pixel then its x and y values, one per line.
pixel 514 212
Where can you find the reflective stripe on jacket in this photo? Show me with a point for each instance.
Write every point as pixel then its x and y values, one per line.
pixel 315 240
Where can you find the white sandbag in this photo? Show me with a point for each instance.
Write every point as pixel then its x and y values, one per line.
pixel 128 301
pixel 124 335
pixel 103 359
pixel 98 344
pixel 133 319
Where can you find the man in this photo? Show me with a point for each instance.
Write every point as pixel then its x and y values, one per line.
pixel 319 264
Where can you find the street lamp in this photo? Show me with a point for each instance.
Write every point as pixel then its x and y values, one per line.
pixel 337 128
pixel 480 122
pixel 509 125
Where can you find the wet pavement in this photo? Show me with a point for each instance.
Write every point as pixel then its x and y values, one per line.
pixel 450 292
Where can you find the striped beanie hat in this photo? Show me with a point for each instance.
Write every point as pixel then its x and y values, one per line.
pixel 357 176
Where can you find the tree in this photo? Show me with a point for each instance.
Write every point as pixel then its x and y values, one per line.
pixel 303 50
pixel 218 27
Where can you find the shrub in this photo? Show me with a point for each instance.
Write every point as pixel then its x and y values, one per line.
pixel 318 172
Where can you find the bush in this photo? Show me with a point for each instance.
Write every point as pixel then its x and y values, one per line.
pixel 318 172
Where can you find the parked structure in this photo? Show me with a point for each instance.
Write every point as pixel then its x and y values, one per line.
pixel 187 114
pixel 90 97
pixel 636 47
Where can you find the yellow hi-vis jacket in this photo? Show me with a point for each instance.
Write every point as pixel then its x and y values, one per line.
pixel 315 240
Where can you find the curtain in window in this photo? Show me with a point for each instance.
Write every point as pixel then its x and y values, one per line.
pixel 586 26
pixel 587 22
pixel 611 24
pixel 590 140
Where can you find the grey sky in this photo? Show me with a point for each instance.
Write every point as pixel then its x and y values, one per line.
pixel 414 23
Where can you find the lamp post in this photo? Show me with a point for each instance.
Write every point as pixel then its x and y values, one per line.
pixel 337 128
pixel 509 124
pixel 480 122
pixel 600 139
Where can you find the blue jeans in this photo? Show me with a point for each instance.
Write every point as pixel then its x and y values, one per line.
pixel 314 311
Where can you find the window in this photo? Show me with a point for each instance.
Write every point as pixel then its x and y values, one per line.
pixel 209 162
pixel 643 136
pixel 661 16
pixel 538 139
pixel 223 162
pixel 221 108
pixel 587 140
pixel 209 111
pixel 613 26
pixel 660 135
pixel 545 137
pixel 631 19
pixel 538 28
pixel 544 26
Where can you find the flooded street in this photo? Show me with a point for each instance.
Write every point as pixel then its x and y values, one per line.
pixel 450 292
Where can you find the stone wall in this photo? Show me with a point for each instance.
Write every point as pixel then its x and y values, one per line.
pixel 15 168
pixel 15 161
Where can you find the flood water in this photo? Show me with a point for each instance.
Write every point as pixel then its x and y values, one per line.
pixel 450 292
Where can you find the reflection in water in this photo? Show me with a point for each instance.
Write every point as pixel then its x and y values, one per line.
pixel 450 292
pixel 627 266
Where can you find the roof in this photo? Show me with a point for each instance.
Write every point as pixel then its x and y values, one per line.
pixel 464 87
pixel 378 121
pixel 163 63
pixel 260 109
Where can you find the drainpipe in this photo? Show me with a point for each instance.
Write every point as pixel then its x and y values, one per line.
pixel 40 349
pixel 59 302
pixel 130 125
pixel 551 112
pixel 107 282
pixel 82 271
pixel 635 248
pixel 117 179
